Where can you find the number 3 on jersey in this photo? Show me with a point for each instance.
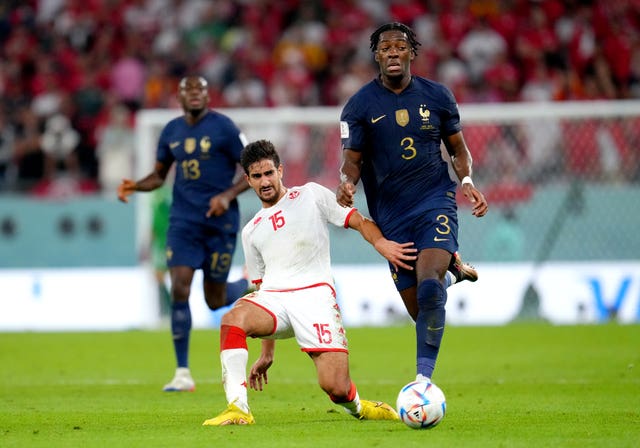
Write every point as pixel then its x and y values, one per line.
pixel 277 220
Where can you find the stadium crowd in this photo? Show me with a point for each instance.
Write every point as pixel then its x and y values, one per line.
pixel 74 72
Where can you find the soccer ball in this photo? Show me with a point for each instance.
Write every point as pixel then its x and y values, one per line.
pixel 421 405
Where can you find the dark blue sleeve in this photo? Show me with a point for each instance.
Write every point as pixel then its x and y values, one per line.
pixel 163 152
pixel 352 131
pixel 451 119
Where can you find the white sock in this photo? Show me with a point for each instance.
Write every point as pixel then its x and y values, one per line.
pixel 449 279
pixel 183 371
pixel 234 376
pixel 421 377
pixel 354 406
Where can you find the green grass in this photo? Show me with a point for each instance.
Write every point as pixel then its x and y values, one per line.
pixel 512 386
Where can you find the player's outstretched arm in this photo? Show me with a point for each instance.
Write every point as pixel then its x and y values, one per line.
pixel 479 203
pixel 219 204
pixel 258 373
pixel 349 177
pixel 126 188
pixel 461 162
pixel 149 183
pixel 396 253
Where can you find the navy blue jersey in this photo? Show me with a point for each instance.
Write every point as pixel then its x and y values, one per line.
pixel 206 156
pixel 399 135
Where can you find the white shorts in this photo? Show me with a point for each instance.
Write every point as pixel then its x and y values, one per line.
pixel 310 314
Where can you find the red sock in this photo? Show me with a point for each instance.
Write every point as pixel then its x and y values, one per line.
pixel 350 397
pixel 232 337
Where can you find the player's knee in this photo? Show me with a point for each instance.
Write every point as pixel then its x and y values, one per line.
pixel 431 294
pixel 215 302
pixel 231 319
pixel 180 291
pixel 337 393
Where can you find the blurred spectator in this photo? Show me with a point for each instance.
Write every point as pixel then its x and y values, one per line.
pixel 536 40
pixel 62 175
pixel 59 143
pixel 245 90
pixel 358 74
pixel 28 155
pixel 634 77
pixel 88 104
pixel 128 77
pixel 455 21
pixel 116 149
pixel 48 94
pixel 502 79
pixel 543 149
pixel 7 137
pixel 406 11
pixel 480 48
pixel 452 71
pixel 65 56
pixel 160 87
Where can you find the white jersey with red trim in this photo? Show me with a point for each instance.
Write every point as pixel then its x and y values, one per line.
pixel 286 246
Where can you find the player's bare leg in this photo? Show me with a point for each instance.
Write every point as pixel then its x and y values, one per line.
pixel 333 378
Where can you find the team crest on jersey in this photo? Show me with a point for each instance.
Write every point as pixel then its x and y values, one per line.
pixel 190 145
pixel 205 144
pixel 402 117
pixel 425 114
pixel 294 194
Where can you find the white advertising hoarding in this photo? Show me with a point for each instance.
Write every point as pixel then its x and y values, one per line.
pixel 560 293
pixel 126 298
pixel 77 299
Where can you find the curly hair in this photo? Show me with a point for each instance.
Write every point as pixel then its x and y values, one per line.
pixel 411 35
pixel 257 151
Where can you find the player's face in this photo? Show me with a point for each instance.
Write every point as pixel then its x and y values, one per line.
pixel 394 54
pixel 266 180
pixel 194 95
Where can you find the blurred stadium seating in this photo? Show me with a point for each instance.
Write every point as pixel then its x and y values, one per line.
pixel 101 63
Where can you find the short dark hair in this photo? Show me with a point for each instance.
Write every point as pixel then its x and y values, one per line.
pixel 411 35
pixel 257 151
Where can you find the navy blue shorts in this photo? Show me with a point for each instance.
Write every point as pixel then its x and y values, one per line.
pixel 201 248
pixel 430 229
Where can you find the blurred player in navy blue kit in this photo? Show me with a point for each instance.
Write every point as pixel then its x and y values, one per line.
pixel 391 132
pixel 204 219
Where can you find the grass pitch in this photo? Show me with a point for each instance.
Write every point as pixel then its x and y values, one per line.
pixel 514 386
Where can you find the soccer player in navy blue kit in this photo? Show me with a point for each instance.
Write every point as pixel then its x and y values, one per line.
pixel 391 130
pixel 204 219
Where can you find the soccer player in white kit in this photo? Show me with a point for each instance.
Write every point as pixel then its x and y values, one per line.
pixel 286 247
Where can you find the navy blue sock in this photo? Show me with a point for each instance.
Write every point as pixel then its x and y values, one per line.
pixel 181 330
pixel 236 289
pixel 430 322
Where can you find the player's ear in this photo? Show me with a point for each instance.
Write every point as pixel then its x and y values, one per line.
pixel 179 95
